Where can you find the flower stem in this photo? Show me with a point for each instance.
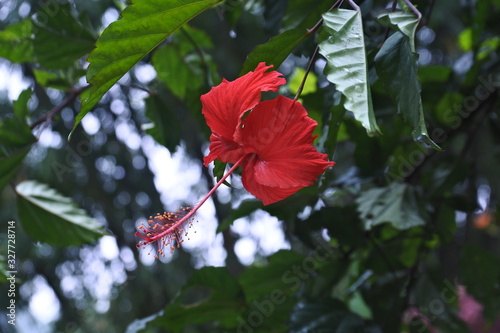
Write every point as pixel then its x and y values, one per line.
pixel 195 208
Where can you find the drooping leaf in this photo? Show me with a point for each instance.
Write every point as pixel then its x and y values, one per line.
pixel 397 68
pixel 21 109
pixel 16 44
pixel 210 294
pixel 142 27
pixel 49 217
pixel 396 204
pixel 15 142
pixel 61 40
pixel 404 22
pixel 275 51
pixel 165 127
pixel 343 47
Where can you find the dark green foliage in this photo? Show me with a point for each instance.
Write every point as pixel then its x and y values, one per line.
pixel 398 236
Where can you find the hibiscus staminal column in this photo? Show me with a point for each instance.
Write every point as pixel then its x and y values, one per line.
pixel 168 229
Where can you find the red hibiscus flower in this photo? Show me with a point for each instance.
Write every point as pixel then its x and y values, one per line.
pixel 271 140
pixel 275 137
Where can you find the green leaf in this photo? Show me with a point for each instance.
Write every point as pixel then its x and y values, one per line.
pixel 276 275
pixel 210 294
pixel 15 42
pixel 396 204
pixel 344 50
pixel 219 171
pixel 51 80
pixel 174 72
pixel 15 142
pixel 466 39
pixel 404 22
pixel 397 68
pixel 165 128
pixel 61 40
pixel 143 26
pixel 21 109
pixel 275 51
pixel 488 47
pixel 49 217
pixel 327 315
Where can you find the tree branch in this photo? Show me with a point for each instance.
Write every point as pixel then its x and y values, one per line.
pixel 311 61
pixel 46 118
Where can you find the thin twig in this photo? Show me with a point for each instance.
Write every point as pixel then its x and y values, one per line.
pixel 46 118
pixel 354 5
pixel 311 61
pixel 135 86
pixel 428 13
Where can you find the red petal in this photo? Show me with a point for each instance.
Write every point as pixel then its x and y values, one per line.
pixel 275 179
pixel 274 125
pixel 267 194
pixel 225 150
pixel 224 105
pixel 299 166
pixel 279 134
